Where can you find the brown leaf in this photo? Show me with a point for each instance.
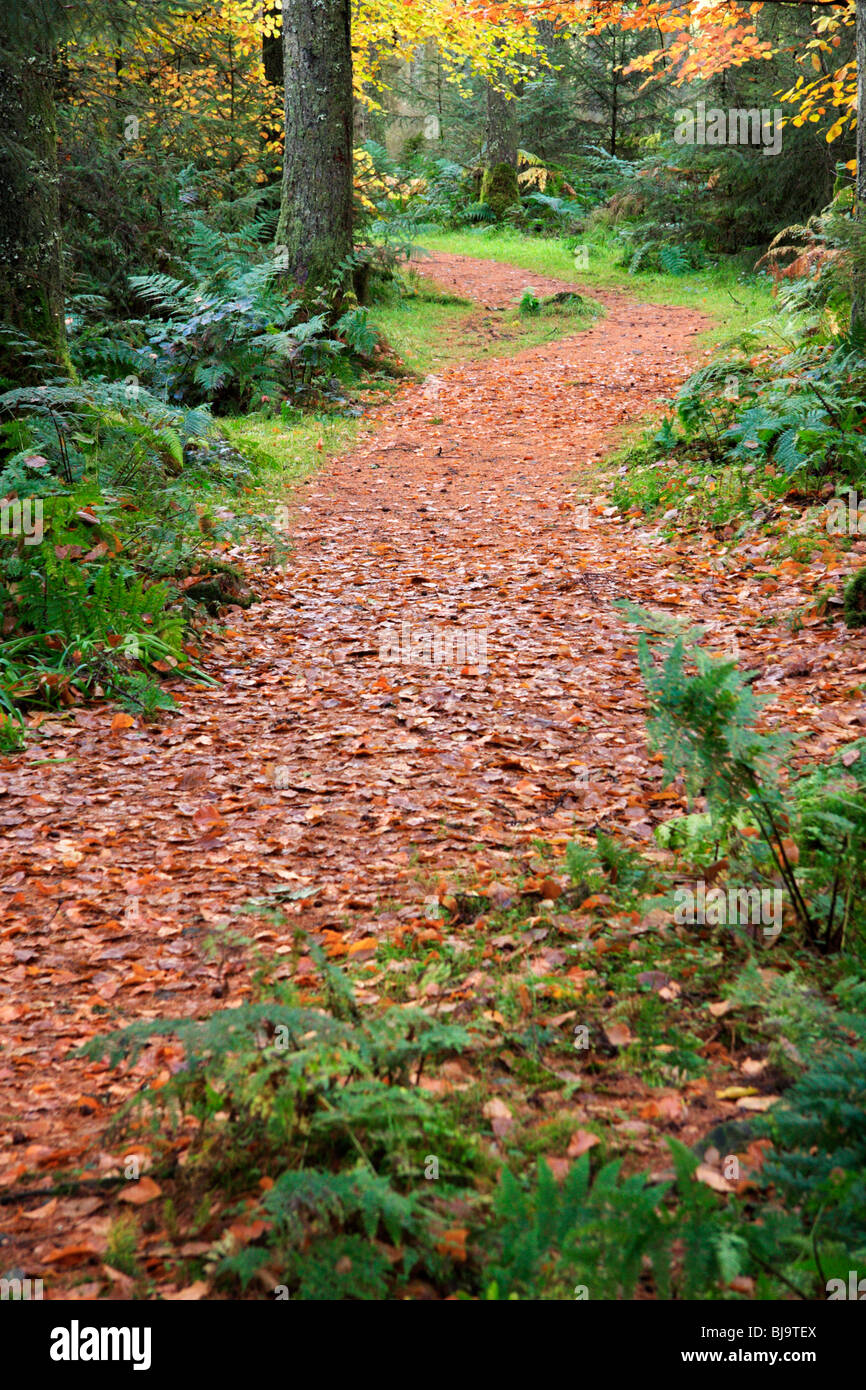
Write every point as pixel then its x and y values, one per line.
pixel 41 1213
pixel 581 1142
pixel 744 1284
pixel 714 1179
pixel 550 889
pixel 124 1282
pixel 559 1167
pixel 191 1294
pixel 669 1107
pixel 138 1193
pixel 72 1254
pixel 618 1034
pixel 759 1103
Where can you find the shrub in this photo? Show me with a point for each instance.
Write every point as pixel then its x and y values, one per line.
pixel 600 1237
pixel 819 1160
pixel 121 481
pixel 326 1104
pixel 804 831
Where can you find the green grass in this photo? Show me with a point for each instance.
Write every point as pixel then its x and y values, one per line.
pixel 731 299
pixel 422 332
pixel 429 334
pixel 292 449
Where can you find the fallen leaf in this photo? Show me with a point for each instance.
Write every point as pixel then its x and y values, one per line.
pixel 712 1178
pixel 40 1213
pixel 191 1294
pixel 452 1244
pixel 137 1193
pixel 581 1142
pixel 759 1103
pixel 122 1281
pixel 743 1283
pixel 618 1034
pixel 751 1067
pixel 72 1254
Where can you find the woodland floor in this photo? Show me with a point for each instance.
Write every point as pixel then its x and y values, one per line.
pixel 122 849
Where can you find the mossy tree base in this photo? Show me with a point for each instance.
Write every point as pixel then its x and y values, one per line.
pixel 500 189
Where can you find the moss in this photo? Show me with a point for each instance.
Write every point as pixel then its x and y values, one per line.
pixel 500 189
pixel 855 599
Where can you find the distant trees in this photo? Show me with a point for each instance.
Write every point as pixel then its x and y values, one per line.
pixel 31 280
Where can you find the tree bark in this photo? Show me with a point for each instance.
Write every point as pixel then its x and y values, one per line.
pixel 858 299
pixel 614 102
pixel 31 282
pixel 501 129
pixel 314 231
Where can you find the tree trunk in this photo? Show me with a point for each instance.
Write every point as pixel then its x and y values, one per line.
pixel 314 233
pixel 500 188
pixel 858 300
pixel 501 129
pixel 614 102
pixel 31 282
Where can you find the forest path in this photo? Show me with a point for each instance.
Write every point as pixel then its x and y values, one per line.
pixel 318 765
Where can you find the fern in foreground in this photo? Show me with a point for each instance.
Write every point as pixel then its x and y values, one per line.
pixel 805 831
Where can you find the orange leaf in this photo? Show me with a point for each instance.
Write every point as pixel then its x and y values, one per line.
pixel 581 1142
pixel 71 1254
pixel 453 1243
pixel 366 943
pixel 140 1192
pixel 40 1213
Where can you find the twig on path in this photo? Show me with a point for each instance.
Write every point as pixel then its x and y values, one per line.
pixel 61 1189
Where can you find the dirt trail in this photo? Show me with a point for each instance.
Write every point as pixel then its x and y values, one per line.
pixel 315 762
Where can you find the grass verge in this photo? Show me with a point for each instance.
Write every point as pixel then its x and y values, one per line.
pixel 732 298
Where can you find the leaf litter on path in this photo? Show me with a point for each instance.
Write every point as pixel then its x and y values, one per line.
pixel 437 676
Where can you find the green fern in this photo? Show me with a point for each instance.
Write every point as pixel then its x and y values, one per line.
pixel 673 260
